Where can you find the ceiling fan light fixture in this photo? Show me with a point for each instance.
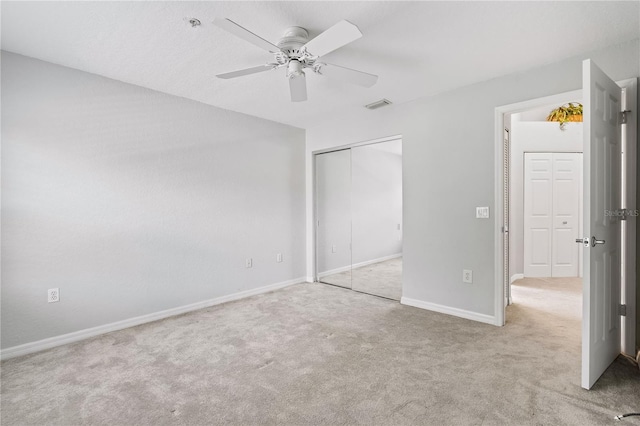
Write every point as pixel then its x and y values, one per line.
pixel 294 69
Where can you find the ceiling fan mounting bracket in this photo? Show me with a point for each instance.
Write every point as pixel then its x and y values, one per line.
pixel 281 58
pixel 293 39
pixel 317 67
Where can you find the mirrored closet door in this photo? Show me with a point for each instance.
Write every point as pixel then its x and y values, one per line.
pixel 333 216
pixel 376 180
pixel 359 214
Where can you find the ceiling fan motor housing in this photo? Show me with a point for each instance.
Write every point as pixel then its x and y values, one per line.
pixel 292 54
pixel 293 39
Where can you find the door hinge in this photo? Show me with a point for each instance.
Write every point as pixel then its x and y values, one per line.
pixel 622 118
pixel 622 310
pixel 622 214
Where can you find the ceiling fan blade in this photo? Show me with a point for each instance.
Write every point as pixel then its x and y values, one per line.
pixel 344 32
pixel 245 34
pixel 298 88
pixel 247 71
pixel 347 74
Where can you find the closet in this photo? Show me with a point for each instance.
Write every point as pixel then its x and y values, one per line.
pixel 358 203
pixel 552 214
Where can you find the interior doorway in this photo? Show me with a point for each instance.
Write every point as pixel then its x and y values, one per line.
pixel 609 170
pixel 545 196
pixel 545 218
pixel 358 217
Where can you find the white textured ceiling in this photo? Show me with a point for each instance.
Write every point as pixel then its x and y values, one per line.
pixel 417 48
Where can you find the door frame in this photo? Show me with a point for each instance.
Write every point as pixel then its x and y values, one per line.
pixel 630 87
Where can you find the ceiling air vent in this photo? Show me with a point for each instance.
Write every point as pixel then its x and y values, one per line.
pixel 378 104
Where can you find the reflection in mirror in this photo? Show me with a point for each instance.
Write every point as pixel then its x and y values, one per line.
pixel 333 215
pixel 376 186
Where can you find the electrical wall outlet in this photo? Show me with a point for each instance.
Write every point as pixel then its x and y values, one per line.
pixel 53 295
pixel 279 257
pixel 467 276
pixel 333 249
pixel 249 263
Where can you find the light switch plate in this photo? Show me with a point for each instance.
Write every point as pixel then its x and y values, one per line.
pixel 482 212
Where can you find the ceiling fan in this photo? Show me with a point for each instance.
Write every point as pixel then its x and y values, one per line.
pixel 296 52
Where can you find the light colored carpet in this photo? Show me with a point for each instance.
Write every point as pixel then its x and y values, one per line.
pixel 380 279
pixel 317 354
pixel 341 279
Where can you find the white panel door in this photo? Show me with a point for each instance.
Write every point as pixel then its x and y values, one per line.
pixel 567 173
pixel 538 209
pixel 602 193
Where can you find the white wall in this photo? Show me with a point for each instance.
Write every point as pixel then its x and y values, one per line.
pixel 133 202
pixel 376 201
pixel 448 170
pixel 532 136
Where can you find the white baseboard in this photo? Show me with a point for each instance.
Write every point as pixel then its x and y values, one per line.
pixel 461 313
pixel 381 259
pixel 64 339
pixel 515 277
pixel 358 265
pixel 334 271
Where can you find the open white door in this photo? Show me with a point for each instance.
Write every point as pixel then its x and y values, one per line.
pixel 602 195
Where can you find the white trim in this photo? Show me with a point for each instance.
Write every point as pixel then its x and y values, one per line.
pixel 628 330
pixel 515 277
pixel 334 271
pixel 355 144
pixel 498 218
pixel 359 265
pixel 64 339
pixel 378 260
pixel 314 218
pixel 461 313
